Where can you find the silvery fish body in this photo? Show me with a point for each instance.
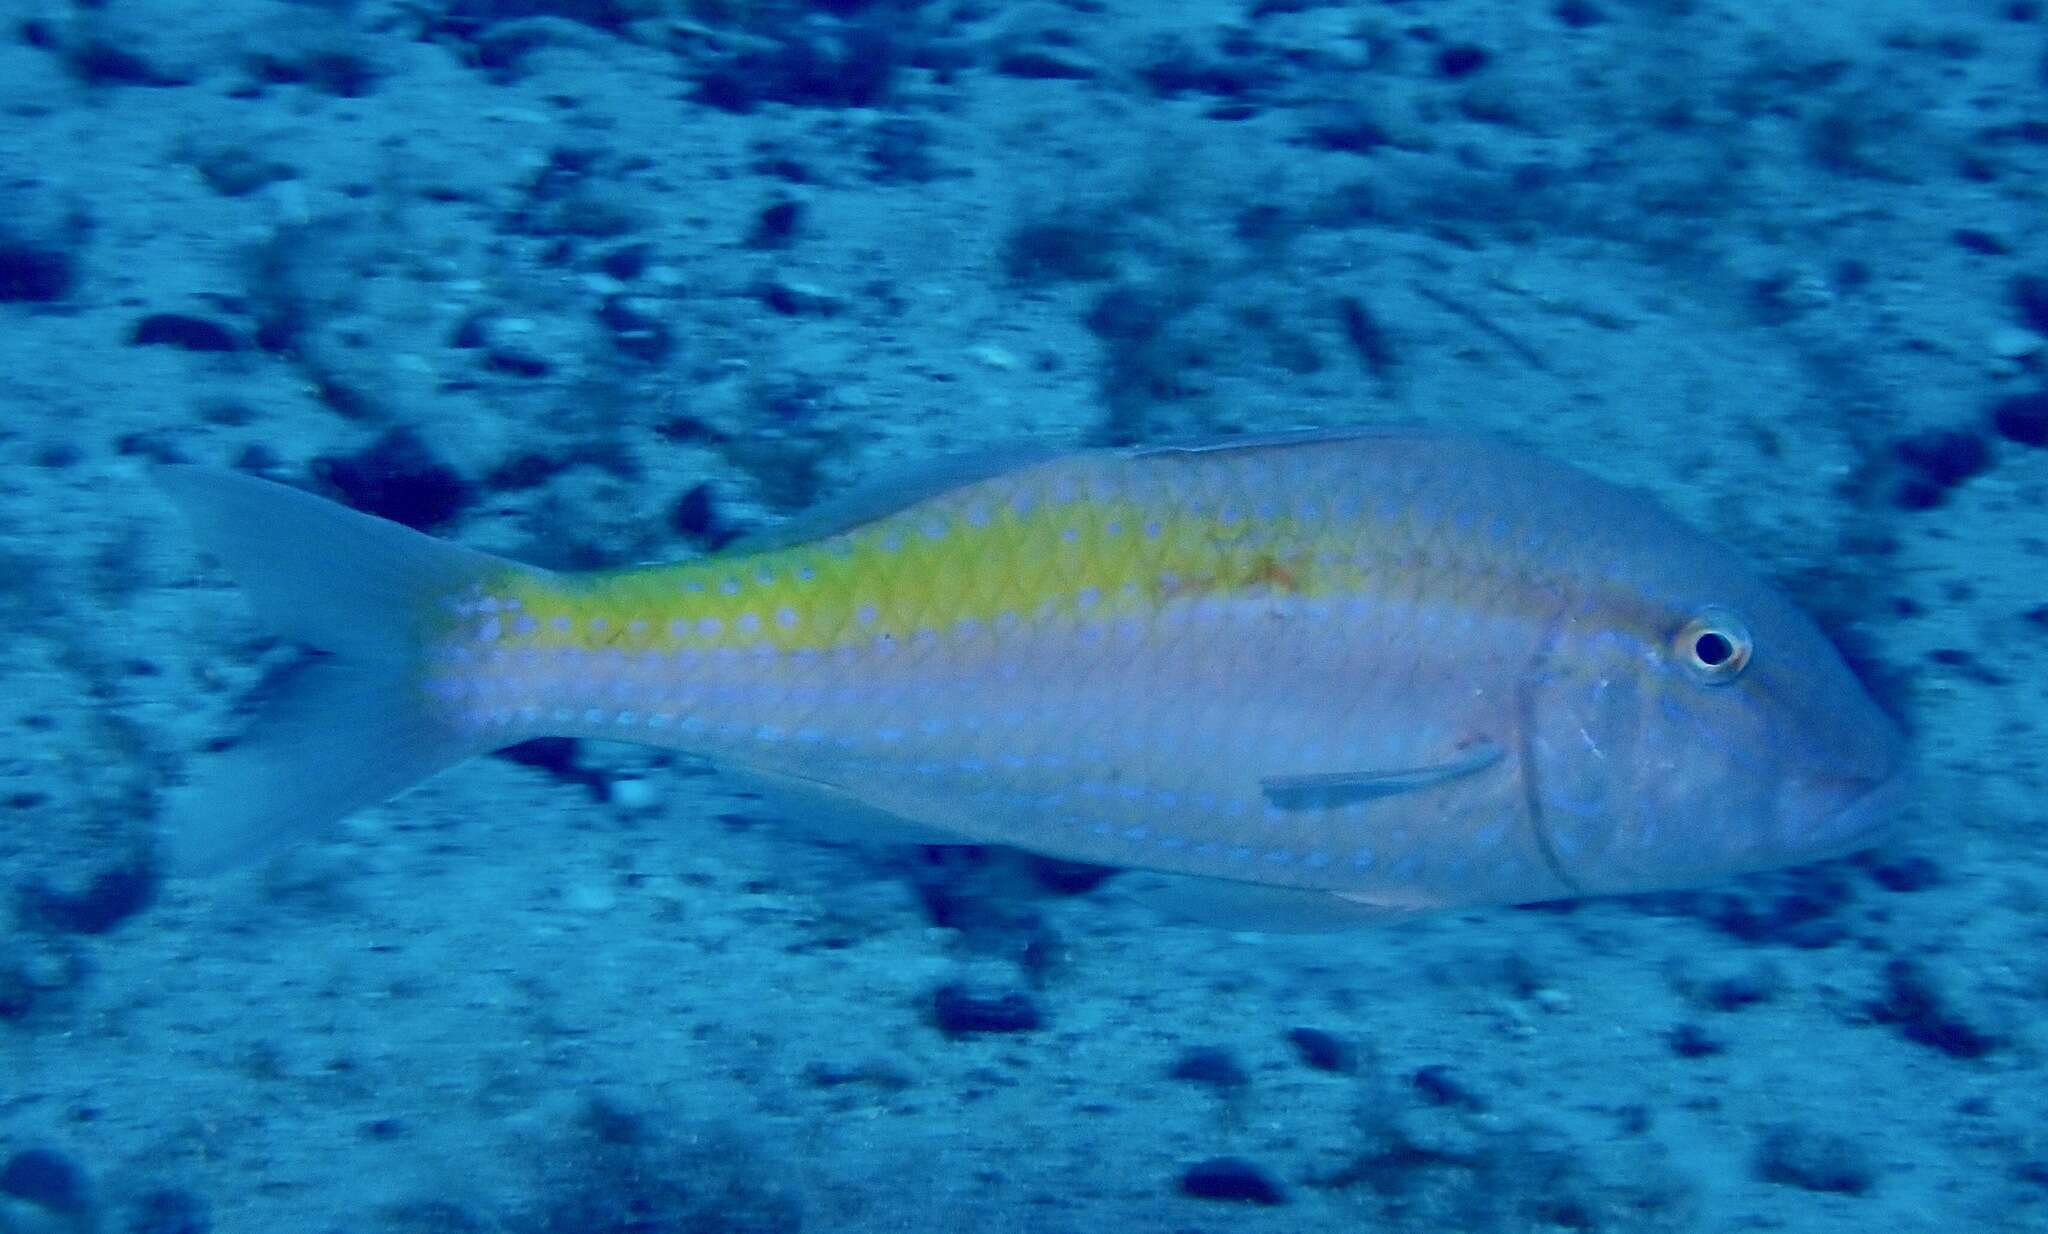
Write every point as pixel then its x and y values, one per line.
pixel 1367 671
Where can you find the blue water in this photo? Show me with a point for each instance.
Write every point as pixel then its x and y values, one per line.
pixel 593 282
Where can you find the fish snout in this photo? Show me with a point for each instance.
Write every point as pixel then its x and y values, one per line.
pixel 1852 804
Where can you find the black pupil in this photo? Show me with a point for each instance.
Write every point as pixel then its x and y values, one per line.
pixel 1713 649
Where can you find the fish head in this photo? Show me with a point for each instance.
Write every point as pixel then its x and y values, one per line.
pixel 1711 731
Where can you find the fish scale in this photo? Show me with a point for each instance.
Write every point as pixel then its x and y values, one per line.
pixel 1150 657
pixel 1372 671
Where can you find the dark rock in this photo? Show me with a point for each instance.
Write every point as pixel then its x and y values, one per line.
pixel 383 1129
pixel 1917 493
pixel 1067 878
pixel 1912 1002
pixel 900 152
pixel 235 171
pixel 627 261
pixel 112 897
pixel 1062 251
pixel 1579 14
pixel 338 71
pixel 793 300
pixel 1437 1085
pixel 467 17
pixel 1367 337
pixel 1174 68
pixel 693 514
pixel 1211 1067
pixel 17 992
pixel 1758 985
pixel 1349 133
pixel 2030 298
pixel 1945 457
pixel 398 478
pixel 1799 908
pixel 1323 1051
pixel 1043 64
pixel 515 358
pixel 1980 242
pixel 2023 418
pixel 961 888
pixel 609 1122
pixel 183 330
pixel 850 65
pixel 1904 872
pixel 528 470
pixel 960 1011
pixel 559 757
pixel 1689 1040
pixel 1231 1178
pixel 46 1178
pixel 874 1073
pixel 33 273
pixel 1813 1160
pixel 168 1210
pixel 1965 662
pixel 1131 314
pixel 775 226
pixel 1461 60
pixel 101 62
pixel 624 1173
pixel 635 330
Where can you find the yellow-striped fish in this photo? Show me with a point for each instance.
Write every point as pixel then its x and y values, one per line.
pixel 1337 674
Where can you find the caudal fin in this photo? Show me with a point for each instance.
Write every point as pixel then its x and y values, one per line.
pixel 351 727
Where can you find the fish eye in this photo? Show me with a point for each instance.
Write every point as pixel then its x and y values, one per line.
pixel 1714 646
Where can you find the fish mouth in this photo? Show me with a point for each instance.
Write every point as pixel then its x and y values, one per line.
pixel 1865 813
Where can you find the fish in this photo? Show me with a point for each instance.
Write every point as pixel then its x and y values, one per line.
pixel 1302 681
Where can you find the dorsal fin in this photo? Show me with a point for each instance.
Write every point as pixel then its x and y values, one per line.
pixel 890 492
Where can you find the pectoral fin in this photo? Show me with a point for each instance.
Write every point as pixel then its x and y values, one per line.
pixel 1339 787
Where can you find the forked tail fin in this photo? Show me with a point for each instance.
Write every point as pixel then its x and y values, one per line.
pixel 353 726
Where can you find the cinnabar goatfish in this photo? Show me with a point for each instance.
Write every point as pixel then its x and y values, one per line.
pixel 1330 676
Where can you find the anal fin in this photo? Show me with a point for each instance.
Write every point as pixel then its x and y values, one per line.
pixel 1257 907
